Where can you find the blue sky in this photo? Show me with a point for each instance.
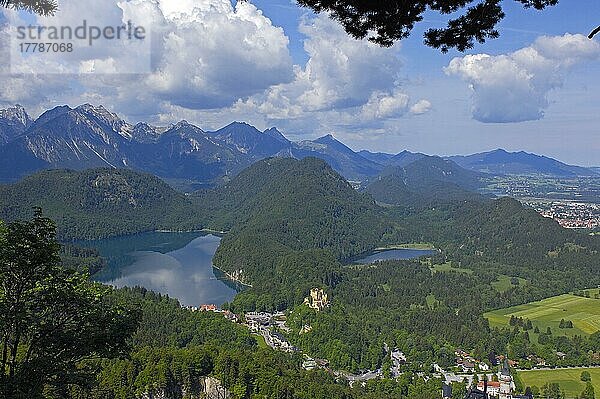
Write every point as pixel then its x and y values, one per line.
pixel 271 63
pixel 570 129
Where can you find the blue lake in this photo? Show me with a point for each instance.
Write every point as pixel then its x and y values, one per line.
pixel 395 254
pixel 176 264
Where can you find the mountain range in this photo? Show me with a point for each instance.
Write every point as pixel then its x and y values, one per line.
pixel 501 162
pixel 91 136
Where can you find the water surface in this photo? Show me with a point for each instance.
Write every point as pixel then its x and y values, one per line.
pixel 177 264
pixel 395 254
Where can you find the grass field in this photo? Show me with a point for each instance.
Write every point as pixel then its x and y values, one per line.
pixel 447 267
pixel 569 379
pixel 583 312
pixel 504 283
pixel 260 341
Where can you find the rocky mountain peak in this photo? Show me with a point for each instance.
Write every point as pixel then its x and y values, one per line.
pixel 16 115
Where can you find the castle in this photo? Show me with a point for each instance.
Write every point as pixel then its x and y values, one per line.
pixel 317 300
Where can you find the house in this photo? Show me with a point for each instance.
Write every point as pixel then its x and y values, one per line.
pixel 309 364
pixel 230 316
pixel 483 367
pixel 281 342
pixel 501 389
pixel 493 388
pixel 208 308
pixel 467 366
pixel 398 357
pixel 506 382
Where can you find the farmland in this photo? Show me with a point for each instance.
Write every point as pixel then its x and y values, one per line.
pixel 583 312
pixel 569 379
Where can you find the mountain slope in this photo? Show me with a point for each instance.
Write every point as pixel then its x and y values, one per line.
pixel 99 202
pixel 405 158
pixel 381 158
pixel 84 137
pixel 295 206
pixel 186 151
pixel 423 182
pixel 501 162
pixel 90 137
pixel 344 160
pixel 277 135
pixel 249 140
pixel 13 122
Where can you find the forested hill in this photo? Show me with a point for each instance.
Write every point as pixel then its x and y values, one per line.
pixel 99 203
pixel 428 180
pixel 283 206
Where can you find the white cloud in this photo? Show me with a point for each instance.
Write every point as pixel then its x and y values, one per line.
pixel 420 107
pixel 206 54
pixel 346 83
pixel 514 87
pixel 213 63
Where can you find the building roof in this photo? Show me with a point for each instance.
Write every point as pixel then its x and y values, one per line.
pixel 446 391
pixel 476 394
pixel 505 368
pixel 490 384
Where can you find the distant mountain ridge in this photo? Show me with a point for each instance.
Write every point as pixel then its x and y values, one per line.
pixel 91 136
pixel 426 180
pixel 502 162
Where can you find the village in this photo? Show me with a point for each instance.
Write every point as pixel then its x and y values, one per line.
pixel 483 380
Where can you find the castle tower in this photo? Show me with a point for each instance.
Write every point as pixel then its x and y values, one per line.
pixel 505 380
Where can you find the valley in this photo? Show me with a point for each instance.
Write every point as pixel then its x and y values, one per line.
pixel 306 199
pixel 414 257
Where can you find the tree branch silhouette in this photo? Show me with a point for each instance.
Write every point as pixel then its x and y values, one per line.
pixel 386 21
pixel 40 7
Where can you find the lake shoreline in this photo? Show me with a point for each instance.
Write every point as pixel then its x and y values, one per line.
pixel 178 264
pixel 230 277
pixel 360 258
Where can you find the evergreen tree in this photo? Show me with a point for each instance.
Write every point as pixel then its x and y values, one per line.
pixel 586 376
pixel 384 22
pixel 588 392
pixel 41 7
pixel 51 318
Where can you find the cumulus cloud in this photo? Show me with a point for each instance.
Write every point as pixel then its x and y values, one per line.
pixel 212 62
pixel 420 107
pixel 344 81
pixel 514 87
pixel 205 53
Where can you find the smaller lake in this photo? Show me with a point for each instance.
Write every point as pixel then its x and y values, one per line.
pixel 395 254
pixel 176 264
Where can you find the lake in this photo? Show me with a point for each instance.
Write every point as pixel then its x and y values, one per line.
pixel 395 254
pixel 176 264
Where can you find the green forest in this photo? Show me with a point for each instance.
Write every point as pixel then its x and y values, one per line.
pixel 291 226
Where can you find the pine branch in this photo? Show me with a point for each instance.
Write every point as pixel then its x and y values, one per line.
pixel 40 7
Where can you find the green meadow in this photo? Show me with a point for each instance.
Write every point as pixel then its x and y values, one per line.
pixel 448 267
pixel 583 312
pixel 569 379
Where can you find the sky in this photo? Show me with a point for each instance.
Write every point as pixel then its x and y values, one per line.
pixel 272 63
